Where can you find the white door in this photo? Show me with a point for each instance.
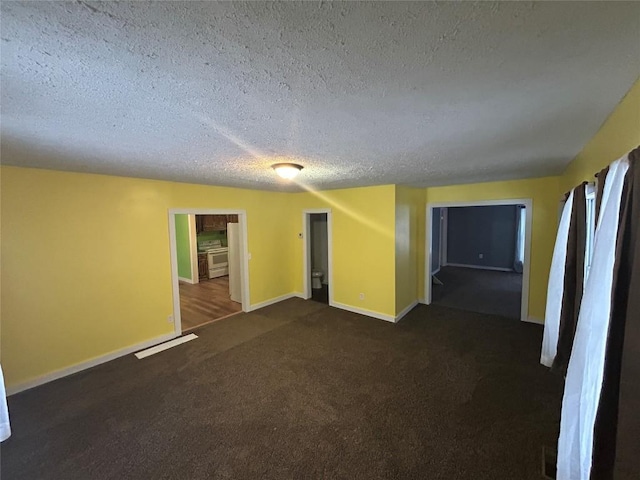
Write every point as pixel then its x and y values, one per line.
pixel 233 241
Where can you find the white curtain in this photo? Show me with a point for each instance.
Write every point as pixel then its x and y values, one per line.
pixel 520 239
pixel 555 288
pixel 521 232
pixel 586 365
pixel 5 428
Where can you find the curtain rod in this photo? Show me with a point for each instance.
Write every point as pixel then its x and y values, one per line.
pixel 566 195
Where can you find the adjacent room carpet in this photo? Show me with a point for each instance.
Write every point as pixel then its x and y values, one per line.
pixel 482 291
pixel 302 390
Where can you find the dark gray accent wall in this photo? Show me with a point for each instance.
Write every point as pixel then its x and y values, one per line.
pixel 435 239
pixel 488 231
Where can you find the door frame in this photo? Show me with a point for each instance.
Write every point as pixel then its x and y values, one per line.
pixel 442 245
pixel 244 257
pixel 444 229
pixel 306 251
pixel 193 241
pixel 527 202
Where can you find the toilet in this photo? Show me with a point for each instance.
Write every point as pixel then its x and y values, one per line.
pixel 316 279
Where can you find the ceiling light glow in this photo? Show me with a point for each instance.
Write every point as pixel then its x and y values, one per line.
pixel 287 170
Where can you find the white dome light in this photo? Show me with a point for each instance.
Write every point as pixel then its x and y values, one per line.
pixel 287 170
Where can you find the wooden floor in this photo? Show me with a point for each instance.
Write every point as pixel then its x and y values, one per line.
pixel 206 302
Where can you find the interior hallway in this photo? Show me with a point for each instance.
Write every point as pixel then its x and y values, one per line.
pixel 482 291
pixel 205 302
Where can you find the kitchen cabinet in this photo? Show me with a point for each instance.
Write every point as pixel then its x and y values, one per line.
pixel 203 266
pixel 214 223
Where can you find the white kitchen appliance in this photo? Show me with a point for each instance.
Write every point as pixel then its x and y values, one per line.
pixel 218 259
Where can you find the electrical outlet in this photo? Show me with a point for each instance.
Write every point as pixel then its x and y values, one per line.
pixel 170 319
pixel 481 255
pixel 361 296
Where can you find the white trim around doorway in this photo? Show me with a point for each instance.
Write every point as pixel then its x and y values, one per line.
pixel 244 257
pixel 444 229
pixel 527 202
pixel 306 251
pixel 193 241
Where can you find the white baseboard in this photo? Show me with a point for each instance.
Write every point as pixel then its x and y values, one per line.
pixel 342 306
pixel 362 311
pixel 406 310
pixel 534 320
pixel 423 301
pixel 435 272
pixel 271 301
pixel 186 280
pixel 78 367
pixel 480 267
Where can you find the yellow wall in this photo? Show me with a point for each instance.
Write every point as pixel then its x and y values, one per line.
pixel 543 192
pixel 86 265
pixel 410 207
pixel 618 135
pixel 81 276
pixel 363 244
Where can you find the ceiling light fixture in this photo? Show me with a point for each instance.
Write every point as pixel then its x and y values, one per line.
pixel 287 170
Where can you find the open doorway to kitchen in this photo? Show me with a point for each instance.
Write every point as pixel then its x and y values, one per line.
pixel 209 266
pixel 478 256
pixel 317 255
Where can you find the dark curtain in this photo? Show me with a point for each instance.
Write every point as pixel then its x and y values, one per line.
pixel 600 178
pixel 573 280
pixel 616 452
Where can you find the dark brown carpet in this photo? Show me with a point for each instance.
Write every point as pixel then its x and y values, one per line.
pixel 302 390
pixel 482 291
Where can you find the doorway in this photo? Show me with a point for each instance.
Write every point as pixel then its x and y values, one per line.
pixel 209 266
pixel 477 256
pixel 318 285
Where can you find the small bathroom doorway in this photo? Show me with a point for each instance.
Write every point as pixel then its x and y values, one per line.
pixel 318 255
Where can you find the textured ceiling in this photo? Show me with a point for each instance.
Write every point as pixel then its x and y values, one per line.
pixel 359 93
